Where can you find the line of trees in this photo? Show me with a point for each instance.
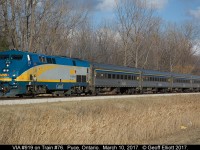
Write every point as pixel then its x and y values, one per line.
pixel 137 37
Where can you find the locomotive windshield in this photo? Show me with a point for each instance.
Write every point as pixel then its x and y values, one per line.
pixel 3 57
pixel 16 57
pixel 13 57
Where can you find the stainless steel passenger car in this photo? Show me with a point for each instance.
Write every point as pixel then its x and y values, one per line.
pixel 118 79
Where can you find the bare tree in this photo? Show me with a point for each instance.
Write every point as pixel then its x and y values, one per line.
pixel 40 25
pixel 135 24
pixel 177 48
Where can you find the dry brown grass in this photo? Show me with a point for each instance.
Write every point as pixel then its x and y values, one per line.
pixel 130 121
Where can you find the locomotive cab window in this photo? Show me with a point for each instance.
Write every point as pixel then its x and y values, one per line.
pixel 16 57
pixel 49 60
pixel 42 59
pixel 74 63
pixel 53 60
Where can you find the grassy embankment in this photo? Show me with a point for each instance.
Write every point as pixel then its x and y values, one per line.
pixel 128 121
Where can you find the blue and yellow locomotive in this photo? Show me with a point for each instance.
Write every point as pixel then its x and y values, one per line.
pixel 25 73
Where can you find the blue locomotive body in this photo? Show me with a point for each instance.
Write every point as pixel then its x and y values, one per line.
pixel 24 73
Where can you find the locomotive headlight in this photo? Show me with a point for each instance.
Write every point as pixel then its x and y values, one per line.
pixel 5 70
pixel 7 62
pixel 7 65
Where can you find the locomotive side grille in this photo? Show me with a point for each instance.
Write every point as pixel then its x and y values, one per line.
pixel 80 78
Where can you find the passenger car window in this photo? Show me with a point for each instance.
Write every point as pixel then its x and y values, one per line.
pixel 100 75
pixel 109 76
pixel 125 77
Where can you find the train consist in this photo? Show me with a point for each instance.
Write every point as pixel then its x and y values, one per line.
pixel 30 74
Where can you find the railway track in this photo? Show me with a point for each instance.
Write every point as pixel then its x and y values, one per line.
pixel 50 96
pixel 44 99
pixel 43 96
